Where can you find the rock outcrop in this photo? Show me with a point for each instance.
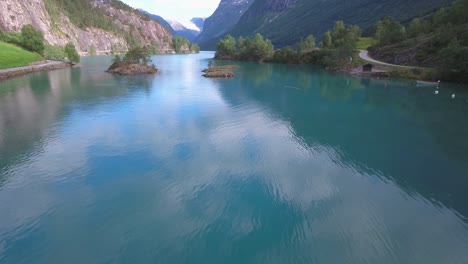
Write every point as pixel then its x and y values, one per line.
pixel 131 68
pixel 59 30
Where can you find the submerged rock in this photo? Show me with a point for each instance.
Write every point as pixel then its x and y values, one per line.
pixel 131 68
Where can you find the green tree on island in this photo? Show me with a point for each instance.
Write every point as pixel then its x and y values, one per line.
pixel 138 55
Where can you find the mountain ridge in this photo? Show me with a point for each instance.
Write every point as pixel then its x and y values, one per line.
pixel 286 21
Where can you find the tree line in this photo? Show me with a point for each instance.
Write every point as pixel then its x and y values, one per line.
pixel 335 49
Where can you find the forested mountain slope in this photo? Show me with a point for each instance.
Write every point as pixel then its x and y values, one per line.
pixel 286 21
pixel 100 25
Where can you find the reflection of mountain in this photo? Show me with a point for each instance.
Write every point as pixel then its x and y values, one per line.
pixel 393 131
pixel 30 106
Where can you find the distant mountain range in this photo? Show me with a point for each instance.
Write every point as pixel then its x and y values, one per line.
pixel 187 29
pixel 286 21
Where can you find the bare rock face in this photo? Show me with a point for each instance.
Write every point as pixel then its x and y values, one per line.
pixel 14 14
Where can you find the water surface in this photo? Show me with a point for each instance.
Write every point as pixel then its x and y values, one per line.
pixel 282 164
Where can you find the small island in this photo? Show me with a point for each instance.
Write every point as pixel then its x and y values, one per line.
pixel 136 61
pixel 225 71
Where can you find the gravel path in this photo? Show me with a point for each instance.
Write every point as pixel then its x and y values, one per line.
pixel 15 72
pixel 364 54
pixel 31 68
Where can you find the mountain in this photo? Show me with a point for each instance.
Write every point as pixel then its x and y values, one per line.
pixel 186 29
pixel 89 24
pixel 159 19
pixel 286 21
pixel 223 19
pixel 199 22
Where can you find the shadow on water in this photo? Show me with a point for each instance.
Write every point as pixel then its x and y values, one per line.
pixel 386 128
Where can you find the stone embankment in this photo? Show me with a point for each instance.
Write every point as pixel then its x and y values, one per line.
pixel 45 66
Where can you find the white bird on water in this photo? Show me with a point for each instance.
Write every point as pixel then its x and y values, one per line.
pixel 436 92
pixel 453 96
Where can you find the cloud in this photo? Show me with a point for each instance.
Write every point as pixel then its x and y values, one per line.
pixel 176 9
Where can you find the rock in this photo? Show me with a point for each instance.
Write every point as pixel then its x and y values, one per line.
pixel 131 68
pixel 226 71
pixel 219 74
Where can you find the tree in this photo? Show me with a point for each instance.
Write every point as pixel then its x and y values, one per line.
pixel 71 52
pixel 286 55
pixel 415 28
pixel 226 47
pixel 138 55
pixel 179 42
pixel 326 41
pixel 454 64
pixel 194 48
pixel 32 39
pixel 307 44
pixel 389 31
pixel 258 49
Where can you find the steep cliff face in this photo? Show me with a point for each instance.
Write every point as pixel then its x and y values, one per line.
pixel 223 19
pixel 58 28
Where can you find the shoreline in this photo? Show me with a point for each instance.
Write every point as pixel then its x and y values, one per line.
pixel 20 71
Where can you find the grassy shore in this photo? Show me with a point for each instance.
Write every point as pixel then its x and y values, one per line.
pixel 12 56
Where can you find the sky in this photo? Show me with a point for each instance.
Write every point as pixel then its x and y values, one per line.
pixel 180 10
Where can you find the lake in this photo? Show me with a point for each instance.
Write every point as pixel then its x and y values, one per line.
pixel 281 164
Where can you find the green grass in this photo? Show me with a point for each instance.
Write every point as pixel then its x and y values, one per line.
pixel 364 43
pixel 12 56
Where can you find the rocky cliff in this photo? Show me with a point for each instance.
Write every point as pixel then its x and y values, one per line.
pixel 128 26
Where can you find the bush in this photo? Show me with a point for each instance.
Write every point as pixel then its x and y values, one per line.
pixel 71 52
pixel 286 55
pixel 11 37
pixel 32 39
pixel 54 52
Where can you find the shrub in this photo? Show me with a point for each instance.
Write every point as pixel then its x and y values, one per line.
pixel 71 52
pixel 54 52
pixel 32 39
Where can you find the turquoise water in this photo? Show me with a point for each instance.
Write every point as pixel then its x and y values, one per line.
pixel 282 164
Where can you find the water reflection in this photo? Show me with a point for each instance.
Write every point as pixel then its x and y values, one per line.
pixel 247 170
pixel 367 120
